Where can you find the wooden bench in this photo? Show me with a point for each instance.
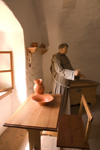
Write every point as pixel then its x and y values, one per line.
pixel 71 130
pixel 14 139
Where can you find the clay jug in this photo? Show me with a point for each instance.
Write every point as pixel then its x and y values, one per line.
pixel 38 86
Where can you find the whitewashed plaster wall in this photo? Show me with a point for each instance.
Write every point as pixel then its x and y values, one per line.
pixel 24 11
pixel 79 27
pixel 12 39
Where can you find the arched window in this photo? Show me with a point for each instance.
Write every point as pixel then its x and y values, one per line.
pixel 12 39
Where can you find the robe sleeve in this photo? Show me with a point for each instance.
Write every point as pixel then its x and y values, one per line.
pixel 65 73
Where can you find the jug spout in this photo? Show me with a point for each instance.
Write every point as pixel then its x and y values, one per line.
pixel 38 81
pixel 38 86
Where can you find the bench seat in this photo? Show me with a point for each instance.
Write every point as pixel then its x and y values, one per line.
pixel 71 132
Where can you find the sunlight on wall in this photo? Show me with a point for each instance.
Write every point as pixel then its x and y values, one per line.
pixel 12 39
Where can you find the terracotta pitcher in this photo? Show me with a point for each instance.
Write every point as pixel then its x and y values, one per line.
pixel 38 86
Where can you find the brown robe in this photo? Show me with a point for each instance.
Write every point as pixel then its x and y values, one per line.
pixel 62 74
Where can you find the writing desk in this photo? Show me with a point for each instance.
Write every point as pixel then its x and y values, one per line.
pixel 35 118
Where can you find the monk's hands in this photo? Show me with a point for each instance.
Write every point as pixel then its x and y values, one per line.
pixel 81 75
pixel 78 73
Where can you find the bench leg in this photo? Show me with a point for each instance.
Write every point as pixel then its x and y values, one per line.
pixel 34 139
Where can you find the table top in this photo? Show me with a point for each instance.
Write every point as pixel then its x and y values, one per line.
pixel 30 115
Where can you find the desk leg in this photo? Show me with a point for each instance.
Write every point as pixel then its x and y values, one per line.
pixel 34 139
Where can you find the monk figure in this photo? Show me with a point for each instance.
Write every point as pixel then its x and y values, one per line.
pixel 62 73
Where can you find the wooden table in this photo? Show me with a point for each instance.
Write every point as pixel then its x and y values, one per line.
pixel 35 118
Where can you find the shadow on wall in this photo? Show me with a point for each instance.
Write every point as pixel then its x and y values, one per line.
pixel 41 22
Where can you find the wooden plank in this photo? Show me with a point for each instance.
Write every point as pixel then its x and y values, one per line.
pixel 83 83
pixel 78 131
pixel 32 115
pixel 89 92
pixel 5 52
pixel 87 108
pixel 7 93
pixel 11 66
pixel 86 87
pixel 5 71
pixel 43 50
pixel 33 49
pixel 13 139
pixel 71 132
pixel 90 118
pixel 54 134
pixel 49 120
pixel 34 139
pixel 21 107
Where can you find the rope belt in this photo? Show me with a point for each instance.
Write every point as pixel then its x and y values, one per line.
pixel 60 83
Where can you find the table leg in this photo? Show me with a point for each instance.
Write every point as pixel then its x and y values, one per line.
pixel 68 104
pixel 34 139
